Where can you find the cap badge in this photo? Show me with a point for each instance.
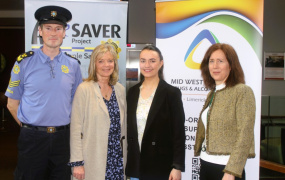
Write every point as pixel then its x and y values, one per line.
pixel 53 13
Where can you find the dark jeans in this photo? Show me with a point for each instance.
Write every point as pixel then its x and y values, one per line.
pixel 210 171
pixel 42 155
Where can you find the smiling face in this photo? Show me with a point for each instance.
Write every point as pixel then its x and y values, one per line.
pixel 105 65
pixel 52 35
pixel 219 67
pixel 150 63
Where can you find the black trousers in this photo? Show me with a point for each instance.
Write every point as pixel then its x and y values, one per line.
pixel 42 155
pixel 210 171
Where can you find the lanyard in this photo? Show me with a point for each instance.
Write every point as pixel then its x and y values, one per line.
pixel 204 144
pixel 212 99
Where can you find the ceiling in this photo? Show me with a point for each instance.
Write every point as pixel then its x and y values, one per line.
pixel 8 5
pixel 11 14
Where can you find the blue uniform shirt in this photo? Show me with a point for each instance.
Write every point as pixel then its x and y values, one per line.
pixel 45 88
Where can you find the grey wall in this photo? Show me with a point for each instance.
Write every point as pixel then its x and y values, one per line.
pixel 141 22
pixel 274 41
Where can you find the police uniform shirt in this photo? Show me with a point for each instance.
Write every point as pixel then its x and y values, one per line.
pixel 45 88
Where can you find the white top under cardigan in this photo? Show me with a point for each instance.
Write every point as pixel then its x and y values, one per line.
pixel 216 159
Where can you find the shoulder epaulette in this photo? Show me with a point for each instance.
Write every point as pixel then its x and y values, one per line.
pixel 24 55
pixel 73 58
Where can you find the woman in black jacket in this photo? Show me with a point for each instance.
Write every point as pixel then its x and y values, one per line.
pixel 155 123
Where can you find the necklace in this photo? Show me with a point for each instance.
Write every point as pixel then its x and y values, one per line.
pixel 105 95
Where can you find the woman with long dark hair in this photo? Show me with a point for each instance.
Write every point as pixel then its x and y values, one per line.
pixel 155 123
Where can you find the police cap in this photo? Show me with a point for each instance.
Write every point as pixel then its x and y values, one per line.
pixel 53 15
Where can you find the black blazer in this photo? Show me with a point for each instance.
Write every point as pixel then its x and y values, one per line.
pixel 163 143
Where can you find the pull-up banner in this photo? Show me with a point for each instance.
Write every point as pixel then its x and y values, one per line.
pixel 92 23
pixel 184 31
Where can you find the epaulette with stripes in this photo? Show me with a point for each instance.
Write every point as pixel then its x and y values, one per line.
pixel 24 55
pixel 73 58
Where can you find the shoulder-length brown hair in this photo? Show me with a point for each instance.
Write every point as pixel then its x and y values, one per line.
pixel 97 53
pixel 236 75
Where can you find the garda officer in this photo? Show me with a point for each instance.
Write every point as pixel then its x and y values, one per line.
pixel 40 94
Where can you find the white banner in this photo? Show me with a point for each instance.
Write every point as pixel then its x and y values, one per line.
pixel 92 23
pixel 184 31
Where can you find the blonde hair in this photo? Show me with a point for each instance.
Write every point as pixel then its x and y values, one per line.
pixel 97 53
